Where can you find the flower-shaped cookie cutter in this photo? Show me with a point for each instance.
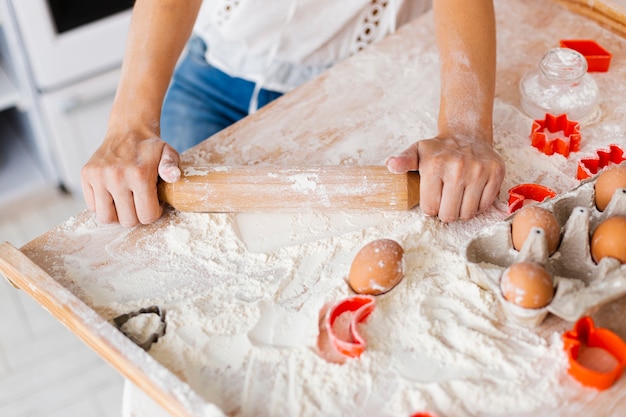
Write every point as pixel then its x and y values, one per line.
pixel 586 334
pixel 588 167
pixel 598 58
pixel 157 332
pixel 344 334
pixel 524 193
pixel 563 135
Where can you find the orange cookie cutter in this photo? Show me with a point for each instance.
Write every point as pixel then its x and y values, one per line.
pixel 563 144
pixel 522 193
pixel 588 167
pixel 422 415
pixel 347 340
pixel 598 58
pixel 584 334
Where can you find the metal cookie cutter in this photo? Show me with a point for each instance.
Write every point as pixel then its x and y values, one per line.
pixel 586 335
pixel 344 334
pixel 588 167
pixel 524 193
pixel 598 58
pixel 564 135
pixel 156 332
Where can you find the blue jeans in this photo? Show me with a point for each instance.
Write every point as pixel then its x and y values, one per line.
pixel 202 100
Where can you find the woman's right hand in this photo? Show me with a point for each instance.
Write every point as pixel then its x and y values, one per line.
pixel 119 182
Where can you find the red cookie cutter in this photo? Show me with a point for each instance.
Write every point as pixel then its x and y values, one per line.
pixel 345 337
pixel 549 144
pixel 598 58
pixel 588 167
pixel 585 334
pixel 422 415
pixel 523 193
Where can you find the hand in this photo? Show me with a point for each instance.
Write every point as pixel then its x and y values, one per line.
pixel 458 178
pixel 120 180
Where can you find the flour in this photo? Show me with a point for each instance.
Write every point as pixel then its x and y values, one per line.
pixel 242 327
pixel 143 327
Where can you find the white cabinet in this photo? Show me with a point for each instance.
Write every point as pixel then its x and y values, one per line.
pixel 26 167
pixel 76 118
pixel 56 92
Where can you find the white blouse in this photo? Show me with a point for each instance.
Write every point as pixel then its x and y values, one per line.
pixel 279 44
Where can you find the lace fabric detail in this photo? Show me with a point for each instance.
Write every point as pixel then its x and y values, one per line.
pixel 371 25
pixel 225 11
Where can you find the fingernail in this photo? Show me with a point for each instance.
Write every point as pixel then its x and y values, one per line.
pixel 169 172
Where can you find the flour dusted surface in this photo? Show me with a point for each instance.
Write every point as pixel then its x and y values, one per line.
pixel 242 326
pixel 243 308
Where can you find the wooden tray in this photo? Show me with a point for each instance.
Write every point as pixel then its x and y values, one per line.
pixel 332 131
pixel 105 339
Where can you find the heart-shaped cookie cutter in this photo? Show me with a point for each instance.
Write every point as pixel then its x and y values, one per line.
pixel 598 59
pixel 586 334
pixel 569 142
pixel 348 340
pixel 525 193
pixel 587 167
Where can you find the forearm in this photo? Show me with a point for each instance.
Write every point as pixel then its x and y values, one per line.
pixel 467 47
pixel 157 35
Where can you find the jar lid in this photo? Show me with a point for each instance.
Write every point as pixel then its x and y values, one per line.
pixel 563 64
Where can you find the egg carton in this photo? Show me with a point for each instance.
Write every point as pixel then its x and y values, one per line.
pixel 581 285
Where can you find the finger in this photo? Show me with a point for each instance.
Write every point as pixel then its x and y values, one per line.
pixel 104 207
pixel 88 195
pixel 147 204
pixel 168 165
pixel 472 197
pixel 431 187
pixel 489 194
pixel 408 160
pixel 452 196
pixel 125 206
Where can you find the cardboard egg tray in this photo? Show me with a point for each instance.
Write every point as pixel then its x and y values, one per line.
pixel 581 285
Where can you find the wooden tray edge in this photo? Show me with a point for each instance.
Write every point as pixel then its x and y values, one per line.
pixel 176 397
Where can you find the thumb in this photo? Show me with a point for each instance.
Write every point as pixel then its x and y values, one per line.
pixel 168 165
pixel 408 160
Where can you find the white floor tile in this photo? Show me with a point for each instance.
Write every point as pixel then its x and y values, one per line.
pixel 45 370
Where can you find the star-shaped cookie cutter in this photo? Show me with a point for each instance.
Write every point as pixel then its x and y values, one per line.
pixel 568 141
pixel 524 193
pixel 588 167
pixel 586 334
pixel 598 58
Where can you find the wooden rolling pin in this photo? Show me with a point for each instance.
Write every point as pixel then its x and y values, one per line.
pixel 260 188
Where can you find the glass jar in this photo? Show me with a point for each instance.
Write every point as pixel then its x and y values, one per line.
pixel 559 85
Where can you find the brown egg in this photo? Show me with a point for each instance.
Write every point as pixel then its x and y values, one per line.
pixel 609 180
pixel 609 239
pixel 527 284
pixel 534 216
pixel 377 267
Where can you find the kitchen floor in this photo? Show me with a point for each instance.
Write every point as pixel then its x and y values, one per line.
pixel 45 370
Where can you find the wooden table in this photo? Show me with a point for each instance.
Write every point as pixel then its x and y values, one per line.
pixel 366 108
